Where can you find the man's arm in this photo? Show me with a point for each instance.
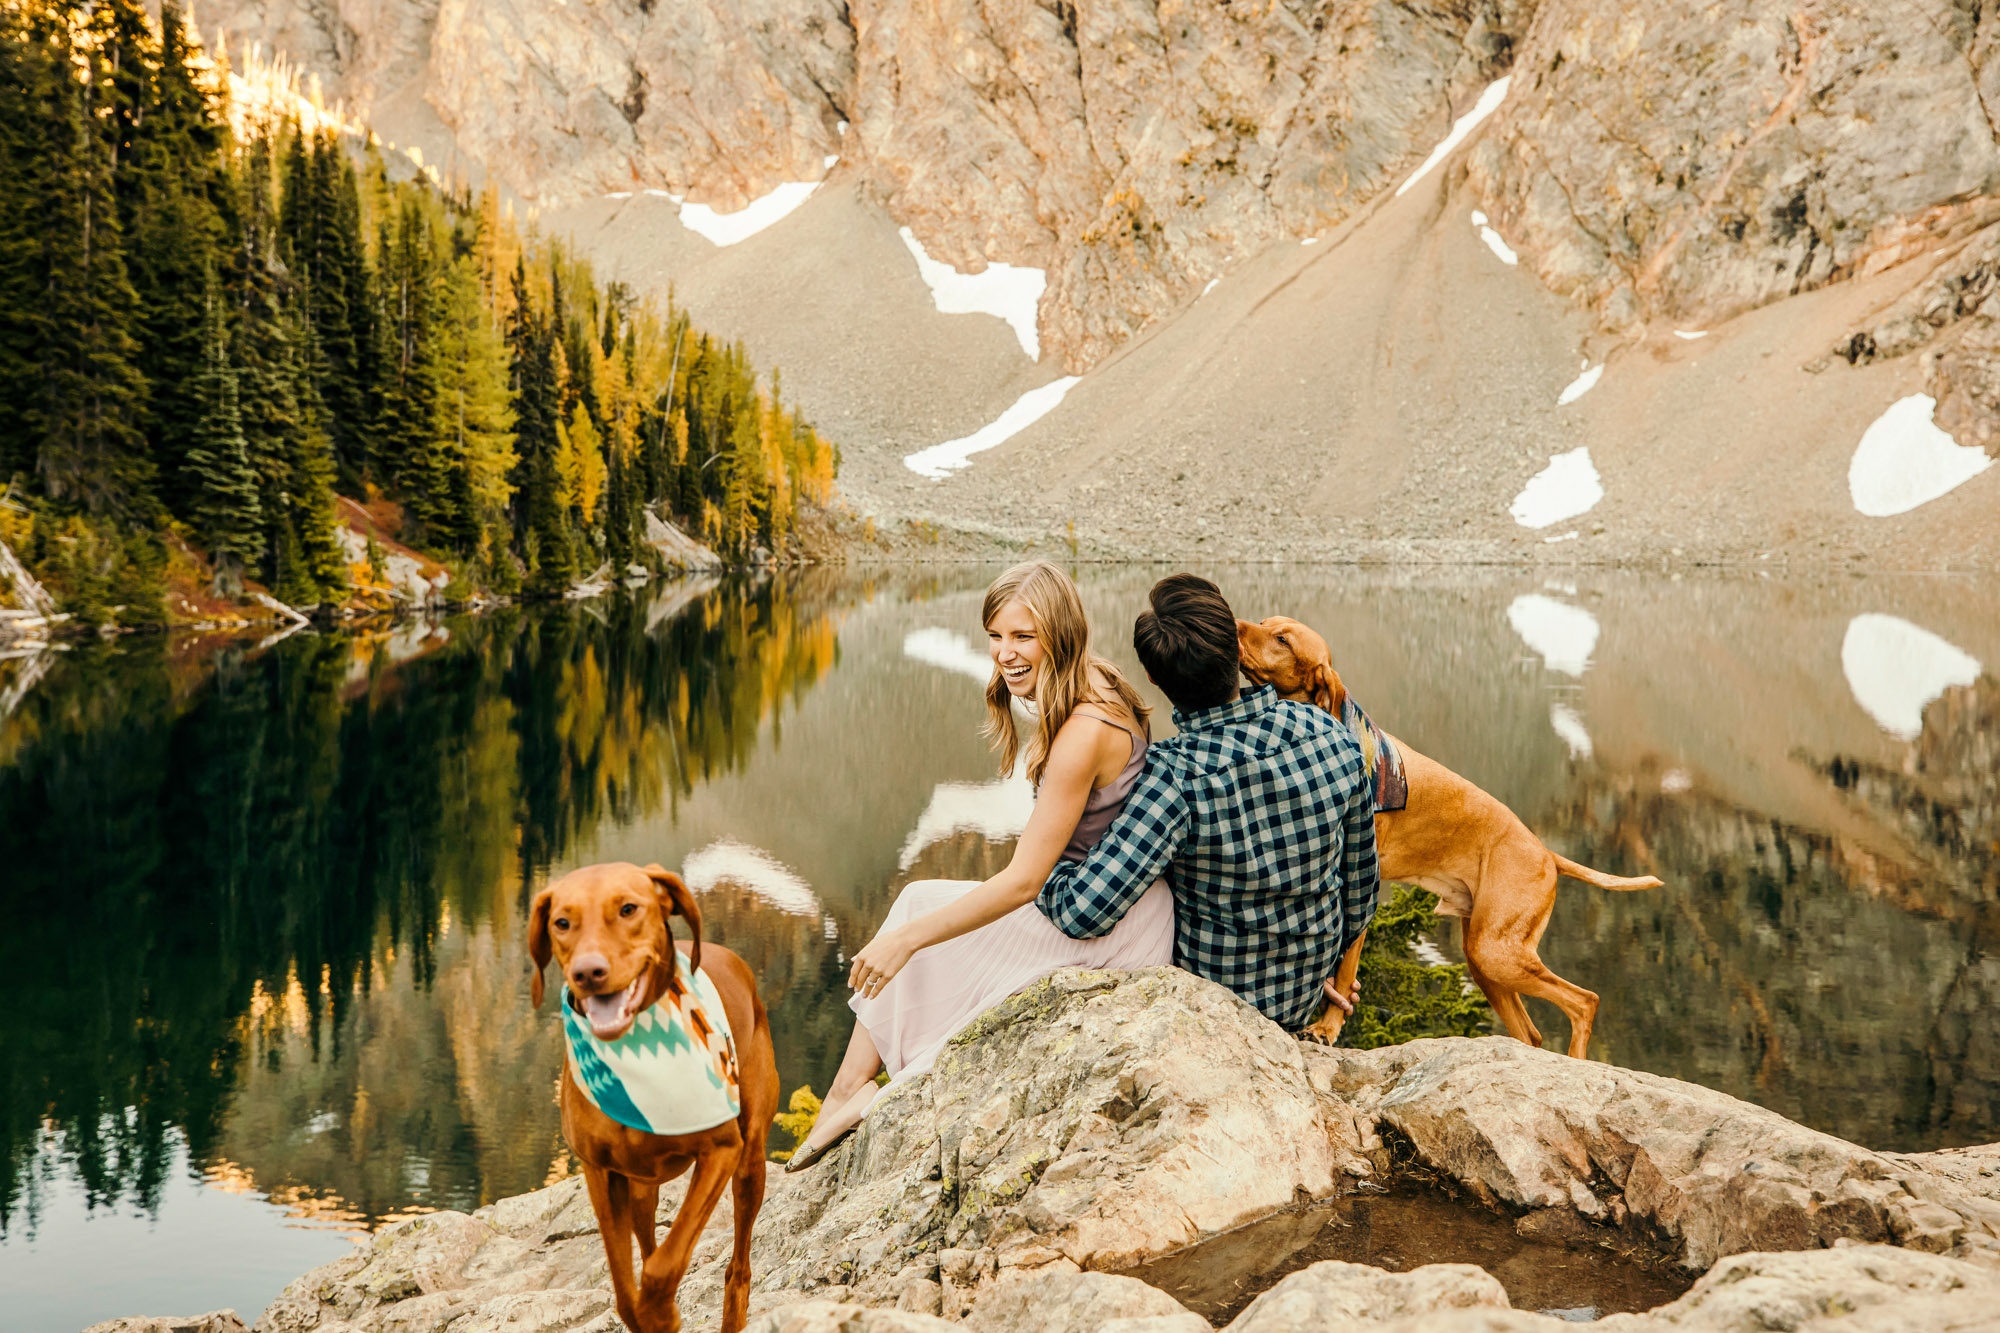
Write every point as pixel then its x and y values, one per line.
pixel 1360 872
pixel 1086 900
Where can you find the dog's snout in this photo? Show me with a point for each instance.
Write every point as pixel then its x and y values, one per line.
pixel 589 969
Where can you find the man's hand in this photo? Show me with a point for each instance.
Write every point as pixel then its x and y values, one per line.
pixel 881 960
pixel 1344 1003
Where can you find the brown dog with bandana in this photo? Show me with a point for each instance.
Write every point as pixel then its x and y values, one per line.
pixel 628 995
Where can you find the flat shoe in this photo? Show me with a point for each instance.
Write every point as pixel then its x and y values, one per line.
pixel 803 1158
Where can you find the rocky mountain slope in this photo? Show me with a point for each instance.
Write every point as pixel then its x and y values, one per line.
pixel 1817 187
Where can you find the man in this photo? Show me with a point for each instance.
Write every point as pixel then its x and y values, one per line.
pixel 1259 812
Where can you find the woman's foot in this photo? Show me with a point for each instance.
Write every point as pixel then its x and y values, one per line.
pixel 807 1153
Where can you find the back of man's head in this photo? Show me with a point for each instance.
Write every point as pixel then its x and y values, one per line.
pixel 1187 642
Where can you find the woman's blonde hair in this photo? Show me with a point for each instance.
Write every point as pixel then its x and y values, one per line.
pixel 1066 677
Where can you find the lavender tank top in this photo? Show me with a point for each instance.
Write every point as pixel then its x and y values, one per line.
pixel 1104 804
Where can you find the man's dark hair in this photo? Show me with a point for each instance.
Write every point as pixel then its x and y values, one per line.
pixel 1187 642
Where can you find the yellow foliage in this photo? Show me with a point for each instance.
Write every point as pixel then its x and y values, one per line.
pixel 580 464
pixel 797 1121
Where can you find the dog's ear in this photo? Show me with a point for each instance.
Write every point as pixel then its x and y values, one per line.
pixel 1326 690
pixel 675 900
pixel 538 941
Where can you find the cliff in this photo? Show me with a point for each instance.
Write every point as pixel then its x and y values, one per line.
pixel 1642 173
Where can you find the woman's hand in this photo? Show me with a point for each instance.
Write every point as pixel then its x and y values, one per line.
pixel 881 960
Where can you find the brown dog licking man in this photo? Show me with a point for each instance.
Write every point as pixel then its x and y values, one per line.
pixel 668 1066
pixel 1454 840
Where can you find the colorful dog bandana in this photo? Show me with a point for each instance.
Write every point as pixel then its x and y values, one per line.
pixel 674 1070
pixel 1381 757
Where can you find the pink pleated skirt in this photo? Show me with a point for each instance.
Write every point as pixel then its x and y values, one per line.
pixel 946 986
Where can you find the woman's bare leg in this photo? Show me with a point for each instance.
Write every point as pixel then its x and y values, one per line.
pixel 856 1075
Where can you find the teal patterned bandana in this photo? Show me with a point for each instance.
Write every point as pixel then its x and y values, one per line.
pixel 674 1070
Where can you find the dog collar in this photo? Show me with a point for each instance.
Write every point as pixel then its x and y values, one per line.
pixel 673 1071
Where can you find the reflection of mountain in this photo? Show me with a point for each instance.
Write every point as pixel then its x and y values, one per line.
pixel 1789 966
pixel 268 855
pixel 1943 802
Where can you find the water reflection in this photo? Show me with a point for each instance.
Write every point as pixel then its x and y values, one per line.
pixel 267 899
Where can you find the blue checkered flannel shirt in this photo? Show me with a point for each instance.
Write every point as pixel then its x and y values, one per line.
pixel 1262 817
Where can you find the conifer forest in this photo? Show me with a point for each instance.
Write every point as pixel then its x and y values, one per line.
pixel 215 321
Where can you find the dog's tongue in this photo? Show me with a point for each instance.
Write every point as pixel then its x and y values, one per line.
pixel 605 1012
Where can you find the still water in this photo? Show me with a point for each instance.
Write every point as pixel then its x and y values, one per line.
pixel 267 986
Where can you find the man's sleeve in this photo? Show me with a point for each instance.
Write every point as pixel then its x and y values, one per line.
pixel 1087 899
pixel 1361 877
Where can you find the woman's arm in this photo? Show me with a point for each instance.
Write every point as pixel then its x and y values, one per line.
pixel 1066 783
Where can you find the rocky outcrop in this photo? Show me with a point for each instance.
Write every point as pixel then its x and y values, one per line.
pixel 1135 151
pixel 1576 1147
pixel 215 1321
pixel 675 548
pixel 1065 1302
pixel 1092 1121
pixel 1685 163
pixel 1330 1293
pixel 1097 1121
pixel 718 100
pixel 1864 1288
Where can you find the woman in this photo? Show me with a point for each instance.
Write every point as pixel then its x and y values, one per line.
pixel 951 949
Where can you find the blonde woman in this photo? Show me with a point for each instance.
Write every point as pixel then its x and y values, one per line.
pixel 951 949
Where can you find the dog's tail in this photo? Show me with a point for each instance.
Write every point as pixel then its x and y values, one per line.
pixel 1577 870
pixel 677 901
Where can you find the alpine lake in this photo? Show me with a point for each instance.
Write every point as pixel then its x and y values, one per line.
pixel 267 985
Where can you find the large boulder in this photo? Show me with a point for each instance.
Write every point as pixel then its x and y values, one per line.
pixel 1877 1288
pixel 1063 1302
pixel 1574 1144
pixel 1093 1121
pixel 1332 1294
pixel 215 1321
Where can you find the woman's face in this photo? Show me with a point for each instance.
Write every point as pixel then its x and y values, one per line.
pixel 1016 646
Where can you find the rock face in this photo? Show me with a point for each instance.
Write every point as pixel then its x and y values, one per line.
pixel 1098 1120
pixel 1330 1293
pixel 1135 150
pixel 1574 1145
pixel 1688 162
pixel 216 1321
pixel 1661 165
pixel 1091 1121
pixel 1063 1302
pixel 1131 151
pixel 721 100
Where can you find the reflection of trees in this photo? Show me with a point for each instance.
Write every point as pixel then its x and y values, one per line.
pixel 259 859
pixel 1787 966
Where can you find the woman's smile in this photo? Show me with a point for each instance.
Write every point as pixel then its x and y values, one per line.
pixel 1016 645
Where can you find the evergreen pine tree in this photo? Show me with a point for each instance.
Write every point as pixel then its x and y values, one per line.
pixel 223 503
pixel 474 422
pixel 268 364
pixel 32 79
pixel 178 195
pixel 313 507
pixel 541 535
pixel 87 418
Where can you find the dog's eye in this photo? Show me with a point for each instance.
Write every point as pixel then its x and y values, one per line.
pixel 628 909
pixel 1282 639
pixel 562 923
